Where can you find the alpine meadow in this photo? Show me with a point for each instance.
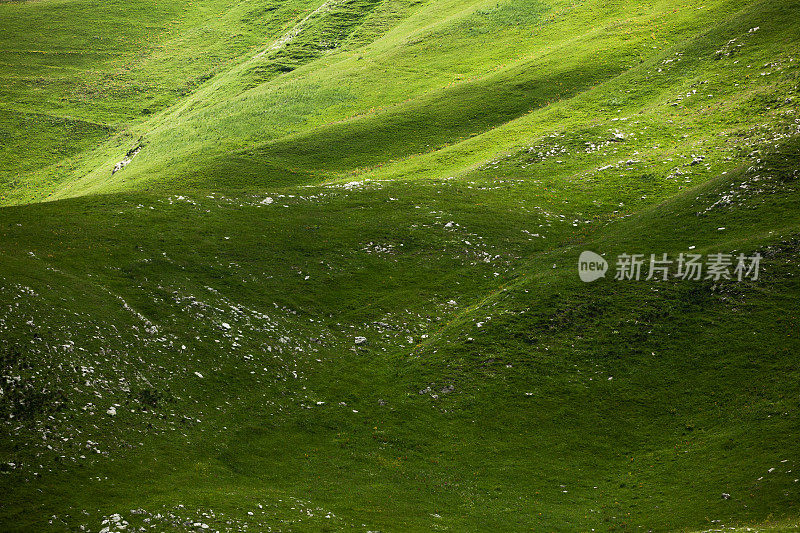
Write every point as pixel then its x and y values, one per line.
pixel 399 265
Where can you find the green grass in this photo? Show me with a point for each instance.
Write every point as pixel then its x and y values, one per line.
pixel 425 175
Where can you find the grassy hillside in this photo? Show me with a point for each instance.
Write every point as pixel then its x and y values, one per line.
pixel 332 283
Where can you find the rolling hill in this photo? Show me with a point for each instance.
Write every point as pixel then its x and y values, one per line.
pixel 292 265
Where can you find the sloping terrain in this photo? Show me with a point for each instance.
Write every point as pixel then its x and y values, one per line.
pixel 303 266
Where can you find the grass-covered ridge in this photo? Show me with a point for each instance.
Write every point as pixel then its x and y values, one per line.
pixel 180 340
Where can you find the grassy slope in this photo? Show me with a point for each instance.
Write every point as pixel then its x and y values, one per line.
pixel 75 73
pixel 180 268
